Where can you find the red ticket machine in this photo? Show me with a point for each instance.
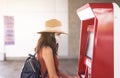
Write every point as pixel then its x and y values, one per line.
pixel 96 58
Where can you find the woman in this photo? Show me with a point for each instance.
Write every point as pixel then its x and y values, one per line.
pixel 47 50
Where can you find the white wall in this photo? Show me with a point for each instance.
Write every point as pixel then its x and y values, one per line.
pixel 30 16
pixel 116 40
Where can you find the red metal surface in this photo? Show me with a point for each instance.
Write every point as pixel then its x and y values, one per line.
pixel 84 37
pixel 102 62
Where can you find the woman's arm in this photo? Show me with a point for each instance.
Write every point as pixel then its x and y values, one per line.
pixel 47 55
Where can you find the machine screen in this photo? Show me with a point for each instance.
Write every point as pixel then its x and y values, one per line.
pixel 90 45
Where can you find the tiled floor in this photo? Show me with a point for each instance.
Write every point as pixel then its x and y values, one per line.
pixel 11 69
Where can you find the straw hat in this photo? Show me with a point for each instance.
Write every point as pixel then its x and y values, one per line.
pixel 53 25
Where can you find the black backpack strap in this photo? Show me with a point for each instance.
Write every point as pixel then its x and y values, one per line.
pixel 45 74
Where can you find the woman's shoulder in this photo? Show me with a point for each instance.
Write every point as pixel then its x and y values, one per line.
pixel 47 51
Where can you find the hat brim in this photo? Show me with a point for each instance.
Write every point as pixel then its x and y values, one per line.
pixel 55 31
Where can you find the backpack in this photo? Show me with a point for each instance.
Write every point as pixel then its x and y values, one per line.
pixel 31 68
